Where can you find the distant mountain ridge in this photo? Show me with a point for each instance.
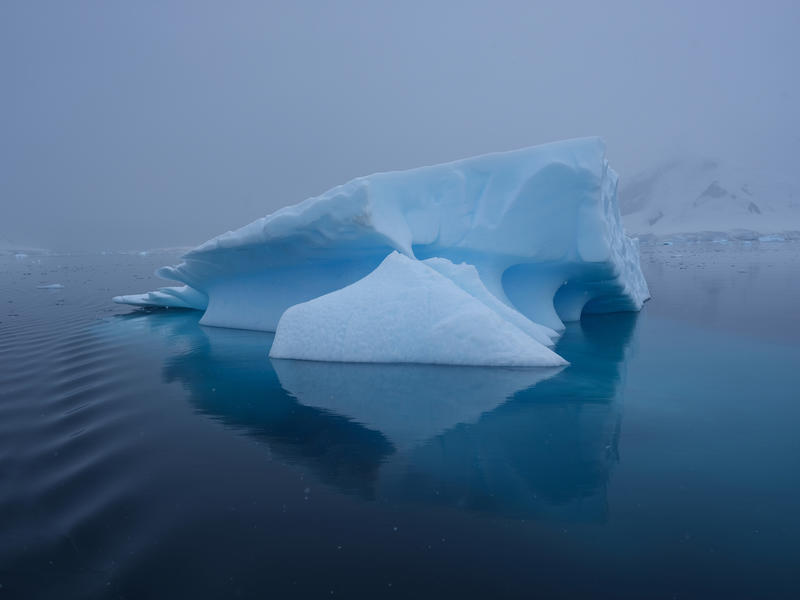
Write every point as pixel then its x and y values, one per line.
pixel 708 198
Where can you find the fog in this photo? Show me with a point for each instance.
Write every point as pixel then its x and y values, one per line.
pixel 137 125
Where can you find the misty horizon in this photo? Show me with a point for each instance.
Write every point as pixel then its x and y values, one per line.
pixel 131 127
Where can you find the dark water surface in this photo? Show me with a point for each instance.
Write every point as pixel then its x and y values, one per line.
pixel 145 456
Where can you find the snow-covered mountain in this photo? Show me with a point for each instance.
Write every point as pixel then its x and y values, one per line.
pixel 708 198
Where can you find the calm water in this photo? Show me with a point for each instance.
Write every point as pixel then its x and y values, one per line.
pixel 144 456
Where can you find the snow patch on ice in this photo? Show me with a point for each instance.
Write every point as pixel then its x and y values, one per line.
pixel 406 312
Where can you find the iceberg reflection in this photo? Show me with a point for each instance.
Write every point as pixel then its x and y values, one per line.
pixel 408 404
pixel 535 443
pixel 547 453
pixel 528 443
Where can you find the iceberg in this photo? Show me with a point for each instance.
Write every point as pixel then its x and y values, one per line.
pixel 532 235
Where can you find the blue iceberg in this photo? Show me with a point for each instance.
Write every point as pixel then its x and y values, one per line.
pixel 532 235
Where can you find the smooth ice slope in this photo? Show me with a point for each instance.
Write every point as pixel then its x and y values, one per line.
pixel 540 225
pixel 405 312
pixel 466 277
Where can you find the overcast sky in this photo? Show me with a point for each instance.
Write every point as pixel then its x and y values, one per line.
pixel 127 125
